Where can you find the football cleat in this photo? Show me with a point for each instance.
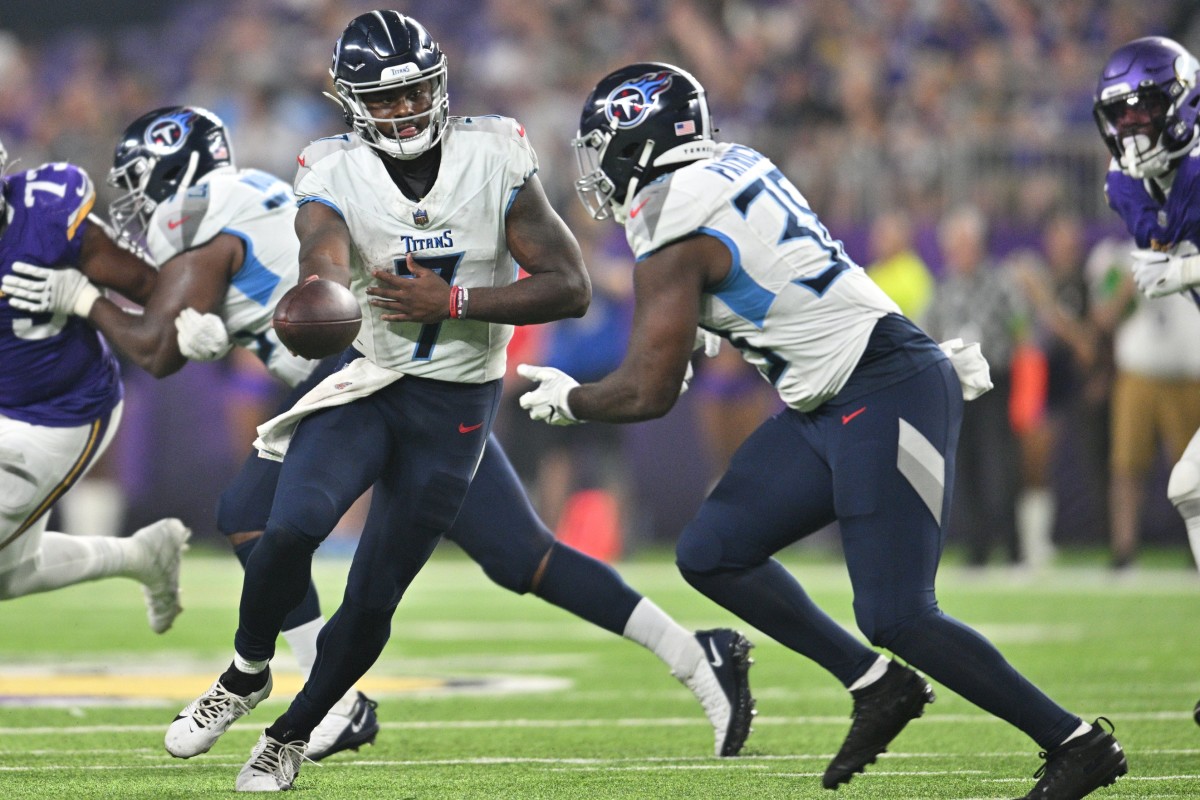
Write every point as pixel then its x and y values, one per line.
pixel 881 710
pixel 201 722
pixel 1077 768
pixel 721 683
pixel 161 548
pixel 1196 712
pixel 273 766
pixel 348 730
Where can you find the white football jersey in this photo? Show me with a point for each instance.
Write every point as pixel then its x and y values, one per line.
pixel 794 304
pixel 457 230
pixel 259 209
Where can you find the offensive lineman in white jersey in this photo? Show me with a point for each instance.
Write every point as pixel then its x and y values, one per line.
pixel 423 215
pixel 723 239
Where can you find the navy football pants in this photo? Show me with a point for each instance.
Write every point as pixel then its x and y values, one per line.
pixel 882 466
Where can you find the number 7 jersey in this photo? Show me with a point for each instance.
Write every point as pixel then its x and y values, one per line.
pixel 795 305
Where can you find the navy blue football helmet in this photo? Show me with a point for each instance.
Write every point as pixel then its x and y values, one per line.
pixel 639 122
pixel 379 54
pixel 1146 104
pixel 161 153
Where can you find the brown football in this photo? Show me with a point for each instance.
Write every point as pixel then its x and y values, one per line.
pixel 317 319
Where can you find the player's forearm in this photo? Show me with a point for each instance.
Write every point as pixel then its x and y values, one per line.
pixel 142 340
pixel 623 397
pixel 542 297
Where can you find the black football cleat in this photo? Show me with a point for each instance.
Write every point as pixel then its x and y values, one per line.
pixel 1081 766
pixel 1196 712
pixel 344 731
pixel 881 711
pixel 721 683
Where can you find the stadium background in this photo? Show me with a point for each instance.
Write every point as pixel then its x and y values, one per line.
pixel 867 104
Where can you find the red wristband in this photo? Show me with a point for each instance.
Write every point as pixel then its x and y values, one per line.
pixel 455 291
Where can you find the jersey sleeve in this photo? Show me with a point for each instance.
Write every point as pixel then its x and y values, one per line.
pixel 523 161
pixel 310 184
pixel 666 211
pixel 185 222
pixel 64 196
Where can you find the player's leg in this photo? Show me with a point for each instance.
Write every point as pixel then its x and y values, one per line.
pixel 38 465
pixel 893 482
pixel 334 456
pixel 499 529
pixel 420 487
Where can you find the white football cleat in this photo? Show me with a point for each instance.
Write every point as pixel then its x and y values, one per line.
pixel 273 766
pixel 161 547
pixel 201 722
pixel 348 726
pixel 721 684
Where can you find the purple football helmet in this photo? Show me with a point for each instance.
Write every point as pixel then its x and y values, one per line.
pixel 1146 105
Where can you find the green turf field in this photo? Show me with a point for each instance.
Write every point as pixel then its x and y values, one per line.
pixel 487 695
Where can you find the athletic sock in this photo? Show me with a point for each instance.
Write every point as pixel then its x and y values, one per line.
pixel 650 627
pixel 245 677
pixel 877 671
pixel 303 642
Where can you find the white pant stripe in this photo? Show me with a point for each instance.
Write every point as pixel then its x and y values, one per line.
pixel 923 467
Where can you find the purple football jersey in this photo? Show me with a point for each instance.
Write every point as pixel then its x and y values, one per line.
pixel 1169 223
pixel 58 371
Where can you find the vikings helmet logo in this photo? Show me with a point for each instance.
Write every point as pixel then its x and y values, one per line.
pixel 629 104
pixel 166 134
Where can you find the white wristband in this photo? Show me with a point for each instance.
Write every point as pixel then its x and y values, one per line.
pixel 87 298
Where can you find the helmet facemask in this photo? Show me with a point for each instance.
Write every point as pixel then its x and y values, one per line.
pixel 385 133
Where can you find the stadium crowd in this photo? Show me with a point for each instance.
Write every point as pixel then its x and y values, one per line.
pixel 944 109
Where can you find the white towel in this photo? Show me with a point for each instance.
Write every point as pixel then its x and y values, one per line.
pixel 974 375
pixel 359 378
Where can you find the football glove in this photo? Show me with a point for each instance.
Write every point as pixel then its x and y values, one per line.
pixel 1158 274
pixel 201 337
pixel 709 341
pixel 548 401
pixel 974 375
pixel 44 290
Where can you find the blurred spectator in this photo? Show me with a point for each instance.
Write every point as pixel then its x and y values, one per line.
pixel 978 302
pixel 1156 393
pixel 897 267
pixel 1057 289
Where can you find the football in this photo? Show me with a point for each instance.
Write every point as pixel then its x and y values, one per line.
pixel 317 318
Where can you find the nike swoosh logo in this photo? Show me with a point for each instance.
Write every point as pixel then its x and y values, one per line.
pixel 175 223
pixel 716 659
pixel 633 212
pixel 300 161
pixel 462 428
pixel 847 417
pixel 361 720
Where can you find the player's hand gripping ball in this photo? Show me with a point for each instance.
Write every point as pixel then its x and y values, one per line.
pixel 317 318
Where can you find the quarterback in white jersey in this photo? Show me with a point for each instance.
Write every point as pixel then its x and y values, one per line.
pixel 451 231
pixel 867 439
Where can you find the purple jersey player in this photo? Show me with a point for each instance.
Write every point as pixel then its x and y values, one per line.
pixel 61 395
pixel 1146 107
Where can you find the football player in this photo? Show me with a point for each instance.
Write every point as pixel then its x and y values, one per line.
pixel 61 394
pixel 724 240
pixel 1146 106
pixel 497 526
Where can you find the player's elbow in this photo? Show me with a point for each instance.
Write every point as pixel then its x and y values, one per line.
pixel 652 402
pixel 577 296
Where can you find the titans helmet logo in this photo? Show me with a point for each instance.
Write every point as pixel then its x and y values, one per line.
pixel 166 134
pixel 628 105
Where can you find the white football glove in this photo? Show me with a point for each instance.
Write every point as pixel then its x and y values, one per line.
pixel 201 337
pixel 974 374
pixel 49 291
pixel 548 401
pixel 709 341
pixel 1159 274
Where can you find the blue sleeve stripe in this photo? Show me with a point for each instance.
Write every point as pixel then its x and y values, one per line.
pixel 323 201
